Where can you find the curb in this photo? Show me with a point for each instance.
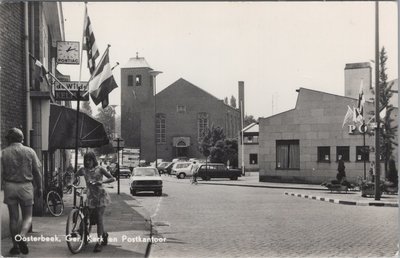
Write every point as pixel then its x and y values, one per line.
pixel 267 186
pixel 344 202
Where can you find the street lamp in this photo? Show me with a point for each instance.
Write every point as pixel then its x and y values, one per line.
pixel 154 74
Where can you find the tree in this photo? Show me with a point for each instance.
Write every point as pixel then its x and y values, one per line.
pixel 85 108
pixel 233 101
pixel 211 137
pixel 231 152
pixel 106 116
pixel 226 100
pixel 388 134
pixel 249 120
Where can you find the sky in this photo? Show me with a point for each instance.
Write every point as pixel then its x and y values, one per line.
pixel 274 47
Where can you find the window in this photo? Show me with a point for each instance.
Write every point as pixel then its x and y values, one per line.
pixel 324 154
pixel 160 129
pixel 343 152
pixel 181 109
pixel 138 80
pixel 202 125
pixel 253 159
pixel 130 80
pixel 362 153
pixel 251 139
pixel 287 154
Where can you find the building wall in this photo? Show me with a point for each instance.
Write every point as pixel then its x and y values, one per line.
pixel 316 121
pixel 353 75
pixel 12 73
pixel 186 124
pixel 248 149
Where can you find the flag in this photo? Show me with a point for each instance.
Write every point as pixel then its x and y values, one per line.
pixel 89 43
pixel 360 104
pixel 40 73
pixel 348 117
pixel 102 81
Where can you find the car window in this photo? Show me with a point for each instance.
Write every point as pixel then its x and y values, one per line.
pixel 145 172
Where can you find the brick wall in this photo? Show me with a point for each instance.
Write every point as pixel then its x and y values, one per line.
pixel 12 62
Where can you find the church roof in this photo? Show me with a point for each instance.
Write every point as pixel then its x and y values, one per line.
pixel 136 62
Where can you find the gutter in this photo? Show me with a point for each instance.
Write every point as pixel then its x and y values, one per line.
pixel 27 75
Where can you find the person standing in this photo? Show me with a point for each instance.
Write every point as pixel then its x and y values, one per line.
pixel 194 169
pixel 20 167
pixel 97 196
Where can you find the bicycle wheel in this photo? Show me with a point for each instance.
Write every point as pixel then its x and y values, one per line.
pixel 75 231
pixel 54 203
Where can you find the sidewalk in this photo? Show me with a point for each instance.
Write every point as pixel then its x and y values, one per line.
pixel 309 191
pixel 124 221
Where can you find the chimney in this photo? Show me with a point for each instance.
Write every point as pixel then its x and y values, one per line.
pixel 354 73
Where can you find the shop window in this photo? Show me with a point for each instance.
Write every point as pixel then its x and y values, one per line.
pixel 362 153
pixel 288 154
pixel 253 159
pixel 130 80
pixel 324 154
pixel 343 152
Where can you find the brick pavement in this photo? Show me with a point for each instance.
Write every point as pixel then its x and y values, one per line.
pixel 122 218
pixel 215 221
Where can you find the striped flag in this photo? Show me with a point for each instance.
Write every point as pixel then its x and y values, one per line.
pixel 360 104
pixel 348 117
pixel 102 81
pixel 89 43
pixel 40 73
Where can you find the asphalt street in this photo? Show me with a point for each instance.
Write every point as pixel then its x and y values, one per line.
pixel 220 221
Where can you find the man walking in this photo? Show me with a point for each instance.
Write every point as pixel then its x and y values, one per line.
pixel 20 167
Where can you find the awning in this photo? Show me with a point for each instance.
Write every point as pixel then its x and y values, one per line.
pixel 181 142
pixel 62 129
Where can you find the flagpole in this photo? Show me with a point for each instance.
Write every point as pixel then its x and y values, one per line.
pixel 377 100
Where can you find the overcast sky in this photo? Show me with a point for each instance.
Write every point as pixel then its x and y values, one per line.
pixel 274 47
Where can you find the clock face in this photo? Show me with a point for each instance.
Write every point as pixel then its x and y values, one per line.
pixel 67 52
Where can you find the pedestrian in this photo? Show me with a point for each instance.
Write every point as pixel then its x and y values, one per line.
pixel 392 177
pixel 20 168
pixel 194 169
pixel 371 171
pixel 97 196
pixel 341 175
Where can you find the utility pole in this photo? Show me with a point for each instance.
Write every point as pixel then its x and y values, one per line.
pixel 377 100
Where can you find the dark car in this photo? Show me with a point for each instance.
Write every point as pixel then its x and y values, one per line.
pixel 217 170
pixel 165 168
pixel 124 172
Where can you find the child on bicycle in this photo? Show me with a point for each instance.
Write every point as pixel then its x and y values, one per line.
pixel 97 196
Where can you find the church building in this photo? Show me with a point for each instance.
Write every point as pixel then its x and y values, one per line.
pixel 171 123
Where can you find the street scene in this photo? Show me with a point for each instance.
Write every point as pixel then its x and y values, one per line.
pixel 199 129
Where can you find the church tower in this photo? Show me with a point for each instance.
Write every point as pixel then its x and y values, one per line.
pixel 137 106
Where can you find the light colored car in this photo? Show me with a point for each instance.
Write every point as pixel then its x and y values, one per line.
pixel 182 169
pixel 145 179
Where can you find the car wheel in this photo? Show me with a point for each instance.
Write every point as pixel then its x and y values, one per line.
pixel 158 193
pixel 203 178
pixel 181 175
pixel 133 192
pixel 234 178
pixel 208 178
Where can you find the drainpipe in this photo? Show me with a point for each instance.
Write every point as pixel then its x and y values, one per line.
pixel 27 71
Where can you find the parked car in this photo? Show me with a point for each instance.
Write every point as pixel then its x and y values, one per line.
pixel 182 169
pixel 146 179
pixel 124 172
pixel 217 170
pixel 162 167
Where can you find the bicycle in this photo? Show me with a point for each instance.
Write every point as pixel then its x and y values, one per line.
pixel 68 180
pixel 78 223
pixel 54 201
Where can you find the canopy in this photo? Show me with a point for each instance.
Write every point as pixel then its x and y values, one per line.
pixel 62 129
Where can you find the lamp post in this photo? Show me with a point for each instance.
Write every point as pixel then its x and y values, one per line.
pixel 154 74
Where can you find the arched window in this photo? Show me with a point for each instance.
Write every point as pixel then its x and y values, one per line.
pixel 202 125
pixel 160 128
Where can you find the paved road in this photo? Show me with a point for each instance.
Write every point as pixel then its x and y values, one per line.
pixel 221 221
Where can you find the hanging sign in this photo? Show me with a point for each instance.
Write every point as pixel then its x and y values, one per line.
pixel 61 93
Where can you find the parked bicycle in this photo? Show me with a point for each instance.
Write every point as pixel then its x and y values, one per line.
pixel 54 201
